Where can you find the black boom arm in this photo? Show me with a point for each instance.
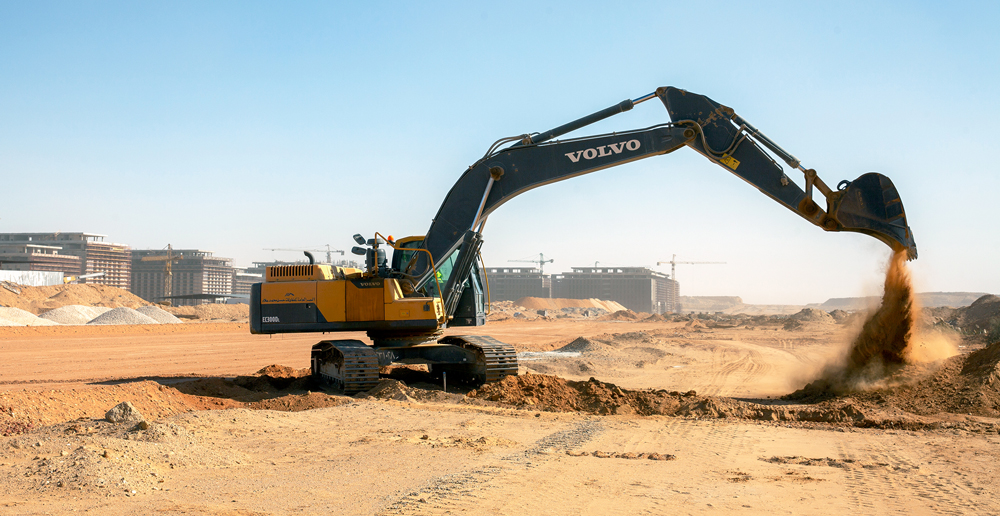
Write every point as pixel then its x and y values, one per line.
pixel 868 205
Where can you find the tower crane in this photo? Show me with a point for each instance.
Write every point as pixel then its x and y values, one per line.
pixel 541 261
pixel 329 252
pixel 673 265
pixel 168 273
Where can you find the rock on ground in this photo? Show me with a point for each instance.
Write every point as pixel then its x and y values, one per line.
pixel 124 412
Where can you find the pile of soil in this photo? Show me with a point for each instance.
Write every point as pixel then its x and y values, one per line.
pixel 123 315
pixel 74 314
pixel 213 312
pixel 274 387
pixel 982 315
pixel 964 384
pixel 554 394
pixel 840 316
pixel 620 315
pixel 158 314
pixel 10 316
pixel 541 303
pixel 813 315
pixel 42 299
pixel 584 345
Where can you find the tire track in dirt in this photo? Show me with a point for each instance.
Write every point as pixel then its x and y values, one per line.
pixel 889 481
pixel 460 491
pixel 748 366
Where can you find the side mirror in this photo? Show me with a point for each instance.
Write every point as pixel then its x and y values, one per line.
pixel 360 251
pixel 359 239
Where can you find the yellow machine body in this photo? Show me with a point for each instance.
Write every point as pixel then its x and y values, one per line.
pixel 327 298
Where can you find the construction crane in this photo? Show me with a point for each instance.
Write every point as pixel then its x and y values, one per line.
pixel 541 261
pixel 168 273
pixel 329 252
pixel 75 279
pixel 673 265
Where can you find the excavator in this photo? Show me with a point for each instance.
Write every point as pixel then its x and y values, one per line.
pixel 436 281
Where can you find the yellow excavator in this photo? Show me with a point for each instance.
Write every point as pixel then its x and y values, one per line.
pixel 436 281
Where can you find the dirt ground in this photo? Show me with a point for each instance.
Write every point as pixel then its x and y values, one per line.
pixel 607 417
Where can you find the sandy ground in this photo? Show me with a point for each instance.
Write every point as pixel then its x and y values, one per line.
pixel 437 453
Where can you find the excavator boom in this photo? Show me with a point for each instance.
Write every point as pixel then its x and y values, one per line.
pixel 868 205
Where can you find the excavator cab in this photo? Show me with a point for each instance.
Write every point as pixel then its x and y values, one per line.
pixel 471 307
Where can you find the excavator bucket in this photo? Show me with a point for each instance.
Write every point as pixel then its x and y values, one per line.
pixel 871 205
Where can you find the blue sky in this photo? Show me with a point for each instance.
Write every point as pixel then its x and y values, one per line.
pixel 238 126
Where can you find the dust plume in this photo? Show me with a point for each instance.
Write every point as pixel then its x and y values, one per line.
pixel 888 340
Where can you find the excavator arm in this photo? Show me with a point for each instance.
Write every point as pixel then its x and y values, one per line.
pixel 869 204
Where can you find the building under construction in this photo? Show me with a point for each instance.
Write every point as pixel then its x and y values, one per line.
pixel 242 281
pixel 513 283
pixel 37 257
pixel 194 272
pixel 73 254
pixel 637 288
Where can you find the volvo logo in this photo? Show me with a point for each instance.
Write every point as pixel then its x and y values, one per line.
pixel 604 150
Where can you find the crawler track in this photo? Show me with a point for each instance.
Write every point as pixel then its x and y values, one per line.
pixel 349 365
pixel 499 359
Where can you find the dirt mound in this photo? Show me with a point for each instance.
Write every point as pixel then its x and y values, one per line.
pixel 554 394
pixel 74 314
pixel 813 315
pixel 695 324
pixel 212 312
pixel 158 314
pixel 541 303
pixel 280 371
pixel 108 459
pixel 19 317
pixel 42 299
pixel 840 316
pixel 122 315
pixel 620 315
pixel 584 345
pixel 983 314
pixel 968 384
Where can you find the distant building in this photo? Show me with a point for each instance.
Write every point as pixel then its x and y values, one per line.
pixel 637 288
pixel 197 272
pixel 513 283
pixel 37 257
pixel 53 252
pixel 242 280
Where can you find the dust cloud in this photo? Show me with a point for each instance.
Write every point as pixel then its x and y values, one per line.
pixel 888 340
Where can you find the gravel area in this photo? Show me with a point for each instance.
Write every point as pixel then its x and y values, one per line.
pixel 160 315
pixel 74 314
pixel 18 317
pixel 123 315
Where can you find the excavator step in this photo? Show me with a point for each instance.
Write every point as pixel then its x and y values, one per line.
pixel 350 365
